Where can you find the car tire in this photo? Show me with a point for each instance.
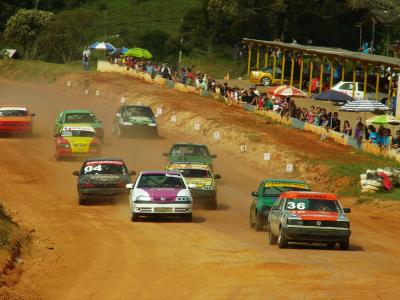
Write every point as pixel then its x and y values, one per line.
pixel 188 218
pixel 266 81
pixel 120 132
pixel 258 226
pixel 330 245
pixel 81 200
pixel 271 237
pixel 345 245
pixel 282 239
pixel 134 217
pixel 252 224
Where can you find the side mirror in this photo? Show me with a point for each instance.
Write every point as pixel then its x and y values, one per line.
pixel 275 207
pixel 129 186
pixel 255 194
pixel 131 173
pixel 165 154
pixel 213 156
pixel 32 115
pixel 347 210
pixel 75 173
pixel 217 176
pixel 191 185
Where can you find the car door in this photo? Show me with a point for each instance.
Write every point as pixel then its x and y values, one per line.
pixel 253 206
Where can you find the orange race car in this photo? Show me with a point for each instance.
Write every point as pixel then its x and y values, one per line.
pixel 15 119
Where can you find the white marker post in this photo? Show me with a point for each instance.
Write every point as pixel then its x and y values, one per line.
pixel 69 83
pixel 97 93
pixel 123 100
pixel 217 136
pixel 86 92
pixel 267 156
pixel 289 168
pixel 197 126
pixel 173 119
pixel 159 111
pixel 243 148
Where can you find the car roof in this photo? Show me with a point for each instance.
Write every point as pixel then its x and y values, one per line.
pixel 71 111
pixel 309 195
pixel 103 158
pixel 159 172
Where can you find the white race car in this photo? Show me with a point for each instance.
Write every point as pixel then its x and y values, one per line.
pixel 159 193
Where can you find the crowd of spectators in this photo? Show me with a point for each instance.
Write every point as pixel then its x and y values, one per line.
pixel 285 106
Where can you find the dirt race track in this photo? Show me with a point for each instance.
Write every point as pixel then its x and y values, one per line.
pixel 96 252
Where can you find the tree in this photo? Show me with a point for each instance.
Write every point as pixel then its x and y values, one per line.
pixel 24 27
pixel 66 34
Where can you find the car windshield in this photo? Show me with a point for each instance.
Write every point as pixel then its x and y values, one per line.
pixel 80 118
pixel 104 167
pixel 189 150
pixel 313 204
pixel 275 191
pixel 13 113
pixel 194 173
pixel 137 111
pixel 78 133
pixel 171 181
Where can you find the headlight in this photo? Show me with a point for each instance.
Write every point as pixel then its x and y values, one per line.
pixel 294 222
pixel 152 124
pixel 67 146
pixel 143 198
pixel 208 187
pixel 182 198
pixel 126 123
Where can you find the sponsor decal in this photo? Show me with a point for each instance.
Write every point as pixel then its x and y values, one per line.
pixel 72 128
pixel 288 184
pixel 104 162
pixel 13 108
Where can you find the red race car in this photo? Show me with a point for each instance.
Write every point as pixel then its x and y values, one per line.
pixel 15 119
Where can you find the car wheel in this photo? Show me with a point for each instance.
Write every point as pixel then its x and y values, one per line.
pixel 134 217
pixel 345 245
pixel 81 200
pixel 119 132
pixel 259 222
pixel 251 221
pixel 266 81
pixel 282 239
pixel 271 237
pixel 330 245
pixel 188 217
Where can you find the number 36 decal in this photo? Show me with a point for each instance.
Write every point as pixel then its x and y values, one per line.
pixel 294 205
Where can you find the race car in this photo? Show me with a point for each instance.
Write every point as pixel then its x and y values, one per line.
pixel 265 197
pixel 102 177
pixel 309 217
pixel 76 141
pixel 201 182
pixel 15 119
pixel 81 117
pixel 160 193
pixel 135 119
pixel 188 152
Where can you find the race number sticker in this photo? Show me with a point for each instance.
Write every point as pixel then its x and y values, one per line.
pixel 89 169
pixel 217 135
pixel 267 156
pixel 123 100
pixel 292 205
pixel 197 126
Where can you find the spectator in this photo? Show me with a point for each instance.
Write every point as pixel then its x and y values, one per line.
pixel 396 140
pixel 359 132
pixel 85 59
pixel 372 135
pixel 292 108
pixel 270 104
pixel 347 128
pixel 335 122
pixel 166 72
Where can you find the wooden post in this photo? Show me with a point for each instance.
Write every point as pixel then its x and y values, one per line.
pixel 266 58
pixel 354 82
pixel 377 87
pixel 258 58
pixel 332 71
pixel 249 59
pixel 274 66
pixel 321 75
pixel 390 87
pixel 343 70
pixel 365 80
pixel 292 71
pixel 311 74
pixel 301 72
pixel 283 67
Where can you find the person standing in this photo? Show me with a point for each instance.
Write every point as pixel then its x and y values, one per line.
pixel 85 58
pixel 335 122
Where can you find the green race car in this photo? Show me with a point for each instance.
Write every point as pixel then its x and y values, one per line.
pixel 81 117
pixel 268 192
pixel 187 152
pixel 135 119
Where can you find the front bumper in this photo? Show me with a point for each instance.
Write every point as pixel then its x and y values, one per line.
pixel 203 197
pixel 161 209
pixel 68 153
pixel 316 234
pixel 138 128
pixel 10 129
pixel 95 193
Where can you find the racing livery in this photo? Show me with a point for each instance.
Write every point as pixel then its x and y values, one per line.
pixel 265 197
pixel 309 217
pixel 15 119
pixel 189 152
pixel 135 119
pixel 201 182
pixel 160 193
pixel 76 141
pixel 102 177
pixel 81 117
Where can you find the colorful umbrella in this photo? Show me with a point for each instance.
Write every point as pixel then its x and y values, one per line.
pixel 333 96
pixel 139 52
pixel 286 91
pixel 364 106
pixel 383 120
pixel 102 46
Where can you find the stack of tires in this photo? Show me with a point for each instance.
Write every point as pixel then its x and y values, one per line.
pixel 371 182
pixel 393 175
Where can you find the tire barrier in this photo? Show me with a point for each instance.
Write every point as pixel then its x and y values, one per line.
pixel 379 180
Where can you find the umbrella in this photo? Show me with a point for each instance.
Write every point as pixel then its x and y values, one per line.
pixel 120 50
pixel 286 91
pixel 333 96
pixel 383 120
pixel 139 52
pixel 364 106
pixel 102 46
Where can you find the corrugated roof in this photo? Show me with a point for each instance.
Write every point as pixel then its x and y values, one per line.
pixel 338 53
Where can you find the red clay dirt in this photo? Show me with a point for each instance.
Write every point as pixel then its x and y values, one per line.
pixel 95 252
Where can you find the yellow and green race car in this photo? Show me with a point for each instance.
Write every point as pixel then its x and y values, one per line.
pixel 76 141
pixel 201 182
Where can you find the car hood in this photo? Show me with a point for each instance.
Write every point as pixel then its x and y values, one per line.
pixel 162 195
pixel 199 182
pixel 190 158
pixel 313 215
pixel 94 125
pixel 105 178
pixel 139 119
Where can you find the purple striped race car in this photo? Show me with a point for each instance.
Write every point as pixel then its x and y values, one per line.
pixel 160 193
